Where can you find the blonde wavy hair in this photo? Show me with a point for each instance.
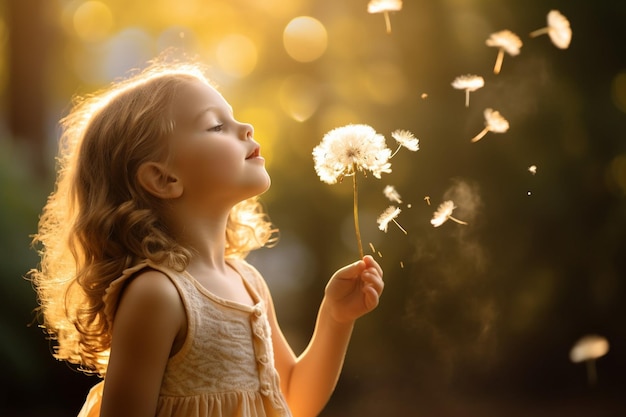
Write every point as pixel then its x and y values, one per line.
pixel 99 221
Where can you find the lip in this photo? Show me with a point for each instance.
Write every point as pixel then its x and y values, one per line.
pixel 256 153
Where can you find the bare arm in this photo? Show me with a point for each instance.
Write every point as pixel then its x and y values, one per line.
pixel 309 380
pixel 148 320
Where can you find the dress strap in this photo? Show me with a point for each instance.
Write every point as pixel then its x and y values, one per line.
pixel 114 291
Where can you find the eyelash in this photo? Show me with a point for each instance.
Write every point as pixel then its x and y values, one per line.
pixel 217 128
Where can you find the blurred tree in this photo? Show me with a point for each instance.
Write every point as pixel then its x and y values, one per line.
pixel 31 36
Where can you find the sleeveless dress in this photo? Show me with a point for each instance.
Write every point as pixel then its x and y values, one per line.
pixel 225 367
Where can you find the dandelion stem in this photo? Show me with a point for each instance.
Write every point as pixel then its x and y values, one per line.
pixel 387 22
pixel 456 220
pixel 467 93
pixel 400 227
pixel 538 32
pixel 592 375
pixel 480 135
pixel 499 59
pixel 356 215
pixel 396 151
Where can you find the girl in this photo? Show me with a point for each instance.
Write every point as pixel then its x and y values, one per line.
pixel 143 279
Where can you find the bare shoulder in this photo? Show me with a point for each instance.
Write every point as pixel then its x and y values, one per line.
pixel 152 287
pixel 151 297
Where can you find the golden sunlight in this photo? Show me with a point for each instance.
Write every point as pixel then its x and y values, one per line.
pixel 305 39
pixel 236 55
pixel 92 21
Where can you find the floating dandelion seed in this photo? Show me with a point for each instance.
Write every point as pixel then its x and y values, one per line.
pixel 587 349
pixel 424 96
pixel 494 122
pixel 389 215
pixel 346 150
pixel 406 139
pixel 558 29
pixel 468 83
pixel 384 6
pixel 505 41
pixel 444 213
pixel 372 247
pixel 391 193
pixel 427 199
pixel 401 264
pixel 532 169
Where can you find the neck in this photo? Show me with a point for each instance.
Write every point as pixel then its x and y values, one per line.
pixel 205 237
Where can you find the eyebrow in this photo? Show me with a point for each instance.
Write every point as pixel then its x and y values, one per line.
pixel 211 109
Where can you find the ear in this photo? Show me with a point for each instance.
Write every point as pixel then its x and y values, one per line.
pixel 156 179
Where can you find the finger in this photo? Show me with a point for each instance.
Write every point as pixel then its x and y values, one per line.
pixel 373 279
pixel 371 298
pixel 371 263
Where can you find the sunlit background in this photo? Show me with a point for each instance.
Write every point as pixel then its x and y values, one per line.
pixel 476 319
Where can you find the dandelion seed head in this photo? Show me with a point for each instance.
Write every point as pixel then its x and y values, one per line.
pixel 380 6
pixel 495 122
pixel 532 169
pixel 345 150
pixel 406 139
pixel 506 40
pixel 443 213
pixel 390 192
pixel 588 348
pixel 468 82
pixel 559 29
pixel 387 216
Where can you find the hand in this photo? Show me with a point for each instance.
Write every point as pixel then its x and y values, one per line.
pixel 355 289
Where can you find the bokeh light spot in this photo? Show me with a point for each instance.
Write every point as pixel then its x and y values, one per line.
pixel 305 39
pixel 237 55
pixel 93 21
pixel 299 97
pixel 618 91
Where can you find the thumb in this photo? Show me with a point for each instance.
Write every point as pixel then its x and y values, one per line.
pixel 351 271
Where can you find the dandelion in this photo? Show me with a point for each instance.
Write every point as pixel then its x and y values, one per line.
pixel 468 83
pixel 494 122
pixel 346 150
pixel 384 6
pixel 587 349
pixel 505 41
pixel 391 193
pixel 558 29
pixel 388 216
pixel 406 139
pixel 444 213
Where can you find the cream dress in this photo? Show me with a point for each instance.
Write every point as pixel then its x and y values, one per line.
pixel 225 367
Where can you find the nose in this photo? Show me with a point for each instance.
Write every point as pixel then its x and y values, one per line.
pixel 247 131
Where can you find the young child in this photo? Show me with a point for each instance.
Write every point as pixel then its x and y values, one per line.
pixel 143 279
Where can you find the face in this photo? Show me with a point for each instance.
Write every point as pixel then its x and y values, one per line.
pixel 213 154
